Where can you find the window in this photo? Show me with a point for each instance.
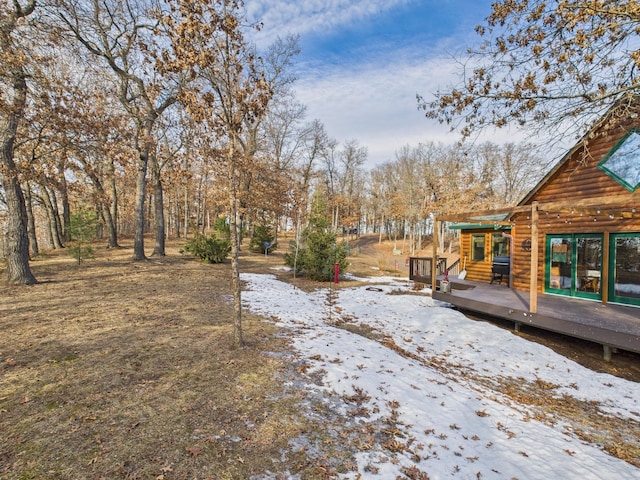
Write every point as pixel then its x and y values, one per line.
pixel 499 246
pixel 477 248
pixel 622 162
pixel 625 262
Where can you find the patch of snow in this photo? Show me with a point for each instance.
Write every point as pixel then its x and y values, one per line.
pixel 437 383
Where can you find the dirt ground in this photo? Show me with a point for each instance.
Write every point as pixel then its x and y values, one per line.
pixel 123 369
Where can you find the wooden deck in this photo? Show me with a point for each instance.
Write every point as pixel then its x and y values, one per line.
pixel 613 326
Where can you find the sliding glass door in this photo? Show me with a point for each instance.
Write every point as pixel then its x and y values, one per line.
pixel 559 264
pixel 624 261
pixel 574 265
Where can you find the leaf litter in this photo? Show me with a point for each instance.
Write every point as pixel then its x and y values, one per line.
pixel 123 369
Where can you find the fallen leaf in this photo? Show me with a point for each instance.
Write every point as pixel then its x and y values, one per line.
pixel 194 451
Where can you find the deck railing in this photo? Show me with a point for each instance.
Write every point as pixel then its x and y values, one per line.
pixel 420 268
pixel 454 268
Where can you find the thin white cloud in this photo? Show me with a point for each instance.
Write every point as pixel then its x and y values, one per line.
pixel 376 104
pixel 307 16
pixel 372 99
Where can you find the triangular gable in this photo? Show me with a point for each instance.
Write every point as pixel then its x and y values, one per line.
pixel 625 104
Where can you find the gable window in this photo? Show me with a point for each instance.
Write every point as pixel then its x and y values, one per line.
pixel 622 163
pixel 477 248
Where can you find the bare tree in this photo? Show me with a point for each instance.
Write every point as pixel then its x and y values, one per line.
pixel 282 132
pixel 352 159
pixel 316 146
pixel 550 66
pixel 13 99
pixel 508 172
pixel 122 33
pixel 230 92
pixel 411 192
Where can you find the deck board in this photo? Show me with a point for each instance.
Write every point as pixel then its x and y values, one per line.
pixel 608 324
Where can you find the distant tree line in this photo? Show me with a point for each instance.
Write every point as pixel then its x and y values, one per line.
pixel 162 117
pixel 136 109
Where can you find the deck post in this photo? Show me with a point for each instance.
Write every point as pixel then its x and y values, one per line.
pixel 533 282
pixel 607 353
pixel 434 259
pixel 604 276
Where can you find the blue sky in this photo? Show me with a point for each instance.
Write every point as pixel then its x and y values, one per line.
pixel 364 61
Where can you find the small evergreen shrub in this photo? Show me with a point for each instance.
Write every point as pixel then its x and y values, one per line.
pixel 221 225
pixel 318 250
pixel 82 228
pixel 261 236
pixel 209 249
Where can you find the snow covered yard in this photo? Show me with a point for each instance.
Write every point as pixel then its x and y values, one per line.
pixel 457 398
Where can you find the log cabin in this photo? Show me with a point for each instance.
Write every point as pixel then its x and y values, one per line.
pixel 572 244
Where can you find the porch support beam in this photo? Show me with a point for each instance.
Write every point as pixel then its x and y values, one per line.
pixel 604 287
pixel 533 282
pixel 434 259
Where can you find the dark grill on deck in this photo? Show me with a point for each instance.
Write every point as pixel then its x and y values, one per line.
pixel 500 267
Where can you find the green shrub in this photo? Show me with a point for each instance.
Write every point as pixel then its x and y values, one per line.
pixel 262 235
pixel 209 249
pixel 82 228
pixel 221 225
pixel 318 250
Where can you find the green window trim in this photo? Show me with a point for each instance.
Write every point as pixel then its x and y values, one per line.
pixel 613 260
pixel 622 162
pixel 478 246
pixel 566 272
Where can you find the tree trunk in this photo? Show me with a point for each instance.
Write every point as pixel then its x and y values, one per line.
pixel 112 231
pixel 235 273
pixel 176 219
pixel 31 223
pixel 105 210
pixel 205 212
pixel 198 206
pixel 18 270
pixel 12 112
pixel 66 209
pixel 441 237
pixel 234 220
pixel 158 203
pixel 186 211
pixel 114 203
pixel 159 248
pixel 54 219
pixel 141 185
pixel 48 231
pixel 17 240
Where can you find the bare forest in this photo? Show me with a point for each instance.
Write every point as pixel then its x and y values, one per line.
pixel 129 128
pixel 163 118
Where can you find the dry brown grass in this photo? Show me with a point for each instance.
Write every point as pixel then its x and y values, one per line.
pixel 122 369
